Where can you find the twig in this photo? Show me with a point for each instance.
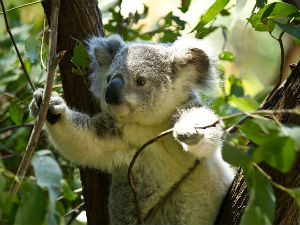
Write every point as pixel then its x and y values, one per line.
pixel 21 6
pixel 11 156
pixel 129 174
pixel 269 178
pixel 53 61
pixel 15 127
pixel 171 190
pixel 75 210
pixel 16 48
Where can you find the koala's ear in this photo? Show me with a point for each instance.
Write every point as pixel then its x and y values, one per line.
pixel 103 50
pixel 195 56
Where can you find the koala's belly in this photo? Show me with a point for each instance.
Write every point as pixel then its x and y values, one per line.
pixel 196 201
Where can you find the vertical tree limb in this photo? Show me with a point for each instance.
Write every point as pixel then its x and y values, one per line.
pixel 81 19
pixel 35 134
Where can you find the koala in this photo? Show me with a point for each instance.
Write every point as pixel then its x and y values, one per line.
pixel 144 89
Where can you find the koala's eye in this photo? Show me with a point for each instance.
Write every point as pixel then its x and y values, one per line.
pixel 108 78
pixel 141 81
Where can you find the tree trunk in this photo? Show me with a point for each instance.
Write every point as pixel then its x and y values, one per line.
pixel 287 96
pixel 81 19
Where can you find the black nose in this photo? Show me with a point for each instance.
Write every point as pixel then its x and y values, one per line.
pixel 114 91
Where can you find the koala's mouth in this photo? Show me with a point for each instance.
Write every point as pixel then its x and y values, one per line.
pixel 121 110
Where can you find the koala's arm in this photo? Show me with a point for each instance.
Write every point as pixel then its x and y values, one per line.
pixel 88 141
pixel 200 142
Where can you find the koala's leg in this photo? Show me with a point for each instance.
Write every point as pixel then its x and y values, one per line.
pixel 200 142
pixel 89 141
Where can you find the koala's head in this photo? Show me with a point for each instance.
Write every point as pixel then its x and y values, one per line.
pixel 146 82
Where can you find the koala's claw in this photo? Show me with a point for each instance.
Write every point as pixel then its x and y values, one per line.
pixel 56 106
pixel 189 136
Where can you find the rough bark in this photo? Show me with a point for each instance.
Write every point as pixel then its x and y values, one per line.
pixel 287 96
pixel 81 19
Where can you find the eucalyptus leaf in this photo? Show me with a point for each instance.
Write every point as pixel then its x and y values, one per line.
pixel 235 156
pixel 80 59
pixel 292 132
pixel 211 13
pixel 226 55
pixel 16 113
pixel 261 205
pixel 32 49
pixel 32 208
pixel 278 152
pixel 245 104
pixel 291 29
pixel 48 175
pixel 67 192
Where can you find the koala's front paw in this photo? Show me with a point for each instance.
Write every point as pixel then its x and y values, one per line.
pixel 187 135
pixel 56 106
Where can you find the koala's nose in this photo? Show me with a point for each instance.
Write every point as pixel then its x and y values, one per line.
pixel 114 91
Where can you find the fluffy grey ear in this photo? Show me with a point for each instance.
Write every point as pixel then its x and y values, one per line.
pixel 197 56
pixel 103 50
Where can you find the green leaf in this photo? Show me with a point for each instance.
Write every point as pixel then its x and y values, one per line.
pixel 278 10
pixel 33 204
pixel 16 113
pixel 261 25
pixel 66 191
pixel 211 13
pixel 236 86
pixel 293 30
pixel 261 3
pixel 227 56
pixel 6 202
pixel 32 49
pixel 80 58
pixel 48 175
pixel 261 205
pixel 185 4
pixel 2 183
pixel 235 156
pixel 278 152
pixel 244 104
pixel 259 129
pixel 292 132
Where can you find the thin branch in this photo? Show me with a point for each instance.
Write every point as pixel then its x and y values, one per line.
pixel 16 48
pixel 2 130
pixel 20 6
pixel 53 61
pixel 269 178
pixel 75 210
pixel 171 191
pixel 129 174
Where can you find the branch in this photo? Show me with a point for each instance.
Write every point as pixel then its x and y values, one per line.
pixel 2 130
pixel 16 48
pixel 35 134
pixel 20 6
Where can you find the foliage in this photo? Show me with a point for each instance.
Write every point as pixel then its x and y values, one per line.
pixel 46 195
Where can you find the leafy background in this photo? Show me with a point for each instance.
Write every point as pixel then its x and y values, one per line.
pixel 244 35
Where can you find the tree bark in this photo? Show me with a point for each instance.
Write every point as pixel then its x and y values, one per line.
pixel 287 96
pixel 81 19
